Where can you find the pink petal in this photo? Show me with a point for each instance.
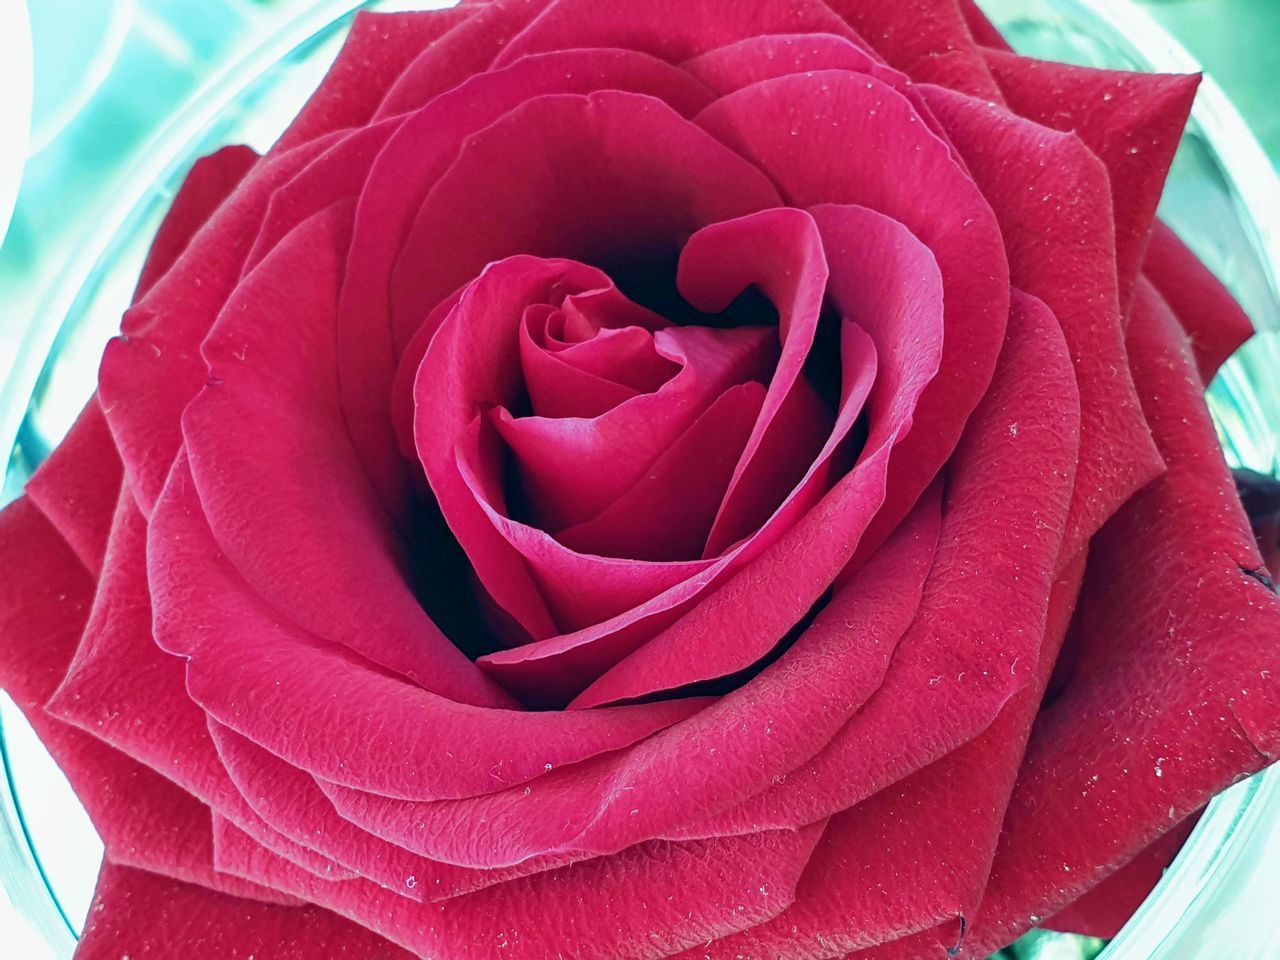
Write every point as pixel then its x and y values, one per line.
pixel 1212 319
pixel 926 39
pixel 745 62
pixel 153 369
pixel 336 174
pixel 383 734
pixel 667 29
pixel 917 854
pixel 139 914
pixel 466 50
pixel 376 52
pixel 1132 121
pixel 289 801
pixel 270 454
pixel 1053 200
pixel 210 180
pixel 519 187
pixel 774 577
pixel 143 819
pixel 76 486
pixel 645 903
pixel 118 682
pixel 891 162
pixel 572 468
pixel 779 252
pixel 668 514
pixel 977 637
pixel 1173 696
pixel 983 31
pixel 731 749
pixel 1107 907
pixel 410 164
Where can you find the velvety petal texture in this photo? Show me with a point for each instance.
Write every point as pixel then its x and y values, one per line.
pixel 620 481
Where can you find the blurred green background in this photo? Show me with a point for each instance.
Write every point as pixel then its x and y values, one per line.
pixel 1238 41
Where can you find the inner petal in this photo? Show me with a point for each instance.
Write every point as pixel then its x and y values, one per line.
pixel 566 470
pixel 590 353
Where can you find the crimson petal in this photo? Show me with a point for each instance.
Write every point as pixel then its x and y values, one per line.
pixel 384 735
pixel 1132 121
pixel 736 747
pixel 926 39
pixel 890 161
pixel 976 639
pixel 1212 319
pixel 77 485
pixel 1162 600
pixel 1053 200
pixel 142 915
pixel 669 29
pixel 934 833
pixel 143 819
pixel 151 371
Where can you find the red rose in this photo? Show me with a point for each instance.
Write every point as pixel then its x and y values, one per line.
pixel 630 480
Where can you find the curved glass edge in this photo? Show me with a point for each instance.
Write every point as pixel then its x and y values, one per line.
pixel 92 291
pixel 15 105
pixel 199 126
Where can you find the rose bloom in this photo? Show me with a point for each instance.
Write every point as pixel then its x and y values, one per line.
pixel 632 480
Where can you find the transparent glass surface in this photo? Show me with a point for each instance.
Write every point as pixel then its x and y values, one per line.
pixel 1218 899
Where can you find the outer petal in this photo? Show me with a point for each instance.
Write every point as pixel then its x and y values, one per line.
pixel 917 854
pixel 1107 907
pixel 1174 694
pixel 644 904
pixel 1052 197
pixel 982 29
pixel 668 29
pixel 383 734
pixel 153 369
pixel 290 803
pixel 119 682
pixel 210 180
pixel 728 751
pixel 976 639
pixel 119 686
pixel 520 187
pixel 143 916
pixel 377 50
pixel 1131 121
pixel 926 39
pixel 464 51
pixel 142 818
pixel 1208 313
pixel 76 486
pixel 270 455
pixel 1260 495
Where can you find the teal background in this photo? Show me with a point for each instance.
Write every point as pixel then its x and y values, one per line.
pixel 1238 43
